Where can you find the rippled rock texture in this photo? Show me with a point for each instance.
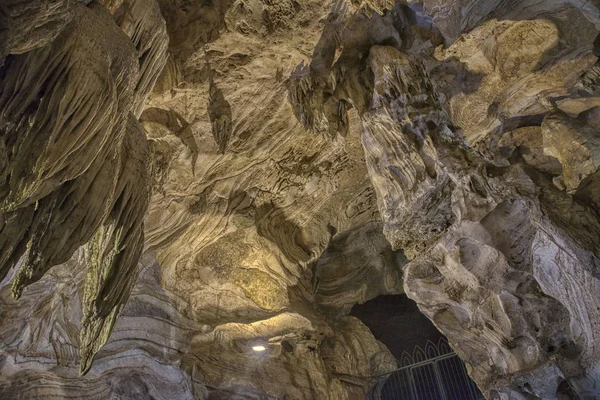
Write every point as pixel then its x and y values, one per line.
pixel 183 180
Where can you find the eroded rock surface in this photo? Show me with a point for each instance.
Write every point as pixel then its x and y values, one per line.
pixel 68 138
pixel 182 181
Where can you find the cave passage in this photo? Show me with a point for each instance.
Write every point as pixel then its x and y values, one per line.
pixel 428 368
pixel 396 321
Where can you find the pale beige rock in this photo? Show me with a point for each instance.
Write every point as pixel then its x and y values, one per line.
pixel 575 145
pixel 357 266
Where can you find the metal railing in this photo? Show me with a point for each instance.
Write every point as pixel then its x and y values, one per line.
pixel 433 373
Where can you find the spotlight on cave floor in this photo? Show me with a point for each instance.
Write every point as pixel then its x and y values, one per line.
pixel 259 348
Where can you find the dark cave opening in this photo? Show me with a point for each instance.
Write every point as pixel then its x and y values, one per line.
pixel 397 322
pixel 428 368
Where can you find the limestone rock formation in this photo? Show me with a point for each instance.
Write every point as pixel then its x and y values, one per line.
pixel 182 181
pixel 68 139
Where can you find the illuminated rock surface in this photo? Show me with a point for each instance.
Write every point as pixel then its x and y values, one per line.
pixel 183 180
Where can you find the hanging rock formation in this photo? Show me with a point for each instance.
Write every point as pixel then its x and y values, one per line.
pixel 183 181
pixel 68 140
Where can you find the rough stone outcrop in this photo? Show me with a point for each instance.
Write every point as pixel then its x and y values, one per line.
pixel 115 249
pixel 445 190
pixel 97 75
pixel 356 266
pixel 489 257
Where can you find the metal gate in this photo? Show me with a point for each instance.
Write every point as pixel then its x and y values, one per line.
pixel 435 373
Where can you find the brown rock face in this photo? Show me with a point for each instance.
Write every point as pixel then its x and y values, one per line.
pixel 194 194
pixel 75 160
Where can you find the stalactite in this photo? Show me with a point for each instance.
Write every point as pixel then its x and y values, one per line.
pixel 114 252
pixel 67 107
pixel 60 105
pixel 219 112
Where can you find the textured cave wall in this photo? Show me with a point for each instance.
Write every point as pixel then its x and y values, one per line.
pixel 490 266
pixel 240 212
pixel 482 158
pixel 200 177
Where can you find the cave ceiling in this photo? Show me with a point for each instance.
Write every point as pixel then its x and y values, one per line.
pixel 184 180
